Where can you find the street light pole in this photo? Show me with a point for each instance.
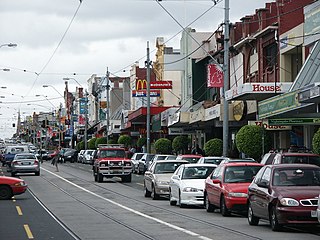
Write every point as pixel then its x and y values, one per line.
pixel 148 99
pixel 86 122
pixel 108 104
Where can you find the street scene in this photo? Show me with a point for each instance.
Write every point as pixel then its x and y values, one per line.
pixel 160 120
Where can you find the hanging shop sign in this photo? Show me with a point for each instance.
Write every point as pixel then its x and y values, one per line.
pixel 141 84
pixel 143 93
pixel 214 75
pixel 267 126
pixel 295 121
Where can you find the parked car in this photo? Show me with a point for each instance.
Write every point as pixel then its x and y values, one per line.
pixel 212 160
pixel 171 157
pixel 284 194
pixel 25 163
pixel 191 158
pixel 157 177
pixel 318 209
pixel 80 156
pixel 233 160
pixel 52 153
pixel 88 156
pixel 144 162
pixel 296 157
pixel 268 158
pixel 70 155
pixel 187 184
pixel 61 153
pixel 10 186
pixel 227 187
pixel 135 161
pixel 42 154
pixel 158 157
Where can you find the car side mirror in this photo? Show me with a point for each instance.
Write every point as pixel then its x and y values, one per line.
pixel 263 184
pixel 175 177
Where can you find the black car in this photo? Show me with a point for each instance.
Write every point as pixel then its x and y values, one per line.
pixel 70 155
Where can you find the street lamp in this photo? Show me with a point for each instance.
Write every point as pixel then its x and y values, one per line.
pixel 8 45
pixel 67 79
pixel 45 86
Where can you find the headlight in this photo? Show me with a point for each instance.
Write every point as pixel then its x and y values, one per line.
pixel 237 194
pixel 290 202
pixel 20 184
pixel 190 189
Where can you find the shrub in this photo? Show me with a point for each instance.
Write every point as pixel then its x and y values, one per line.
pixel 102 140
pixel 141 142
pixel 80 146
pixel 112 141
pixel 213 147
pixel 125 140
pixel 180 144
pixel 163 146
pixel 92 143
pixel 316 142
pixel 249 141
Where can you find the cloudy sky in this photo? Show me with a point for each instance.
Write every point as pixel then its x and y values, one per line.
pixel 67 38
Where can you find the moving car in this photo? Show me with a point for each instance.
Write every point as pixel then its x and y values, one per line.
pixel 25 163
pixel 227 187
pixel 10 186
pixel 187 184
pixel 284 194
pixel 157 177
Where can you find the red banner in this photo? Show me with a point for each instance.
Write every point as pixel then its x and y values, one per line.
pixel 215 76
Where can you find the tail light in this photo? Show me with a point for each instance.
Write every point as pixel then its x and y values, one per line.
pixel 36 162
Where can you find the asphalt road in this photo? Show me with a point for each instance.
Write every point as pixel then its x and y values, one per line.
pixel 112 210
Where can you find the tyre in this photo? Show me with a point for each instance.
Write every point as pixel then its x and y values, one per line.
pixel 95 176
pixel 275 226
pixel 252 219
pixel 154 195
pixel 37 173
pixel 99 177
pixel 5 192
pixel 147 193
pixel 172 202
pixel 181 205
pixel 223 208
pixel 209 207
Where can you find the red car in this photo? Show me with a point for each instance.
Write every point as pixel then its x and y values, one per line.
pixel 10 186
pixel 191 158
pixel 227 187
pixel 284 194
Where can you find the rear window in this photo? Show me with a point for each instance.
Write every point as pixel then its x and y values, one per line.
pixel 302 159
pixel 25 157
pixel 170 167
pixel 191 159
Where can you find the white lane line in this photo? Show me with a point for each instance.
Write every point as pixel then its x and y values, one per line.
pixel 140 184
pixel 132 210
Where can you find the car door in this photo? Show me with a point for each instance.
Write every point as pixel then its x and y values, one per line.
pixel 260 199
pixel 175 182
pixel 211 187
pixel 149 177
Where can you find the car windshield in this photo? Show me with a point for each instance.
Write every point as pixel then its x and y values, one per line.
pixel 25 157
pixel 296 177
pixel 240 174
pixel 113 153
pixel 212 161
pixel 169 167
pixel 191 159
pixel 302 159
pixel 197 172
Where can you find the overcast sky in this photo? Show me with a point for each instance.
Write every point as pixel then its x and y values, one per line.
pixel 103 33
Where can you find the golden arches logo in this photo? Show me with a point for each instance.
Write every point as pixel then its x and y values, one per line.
pixel 141 84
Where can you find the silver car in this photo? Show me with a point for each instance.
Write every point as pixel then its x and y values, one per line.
pixel 25 163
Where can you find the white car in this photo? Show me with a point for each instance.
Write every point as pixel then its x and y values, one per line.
pixel 88 156
pixel 135 161
pixel 187 184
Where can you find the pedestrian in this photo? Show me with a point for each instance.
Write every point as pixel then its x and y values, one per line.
pixel 55 160
pixel 197 150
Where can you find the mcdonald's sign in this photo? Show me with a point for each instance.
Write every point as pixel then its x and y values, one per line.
pixel 141 84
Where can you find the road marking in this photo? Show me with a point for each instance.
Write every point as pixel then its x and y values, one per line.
pixel 140 184
pixel 132 210
pixel 28 231
pixel 19 211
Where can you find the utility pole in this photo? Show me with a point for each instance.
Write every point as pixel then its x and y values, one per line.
pixel 108 104
pixel 86 122
pixel 226 80
pixel 148 98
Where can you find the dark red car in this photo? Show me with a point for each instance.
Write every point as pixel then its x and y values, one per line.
pixel 227 187
pixel 284 194
pixel 10 186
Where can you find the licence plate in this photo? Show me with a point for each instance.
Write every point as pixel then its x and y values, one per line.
pixel 314 214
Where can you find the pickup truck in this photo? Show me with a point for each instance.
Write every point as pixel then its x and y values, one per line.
pixel 111 161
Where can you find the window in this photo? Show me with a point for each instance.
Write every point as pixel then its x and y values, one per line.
pixel 266 176
pixel 270 53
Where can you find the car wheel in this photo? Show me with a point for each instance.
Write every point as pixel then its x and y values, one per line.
pixel 154 195
pixel 223 208
pixel 181 205
pixel 275 226
pixel 5 192
pixel 99 177
pixel 172 202
pixel 252 219
pixel 147 193
pixel 37 173
pixel 95 176
pixel 209 207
